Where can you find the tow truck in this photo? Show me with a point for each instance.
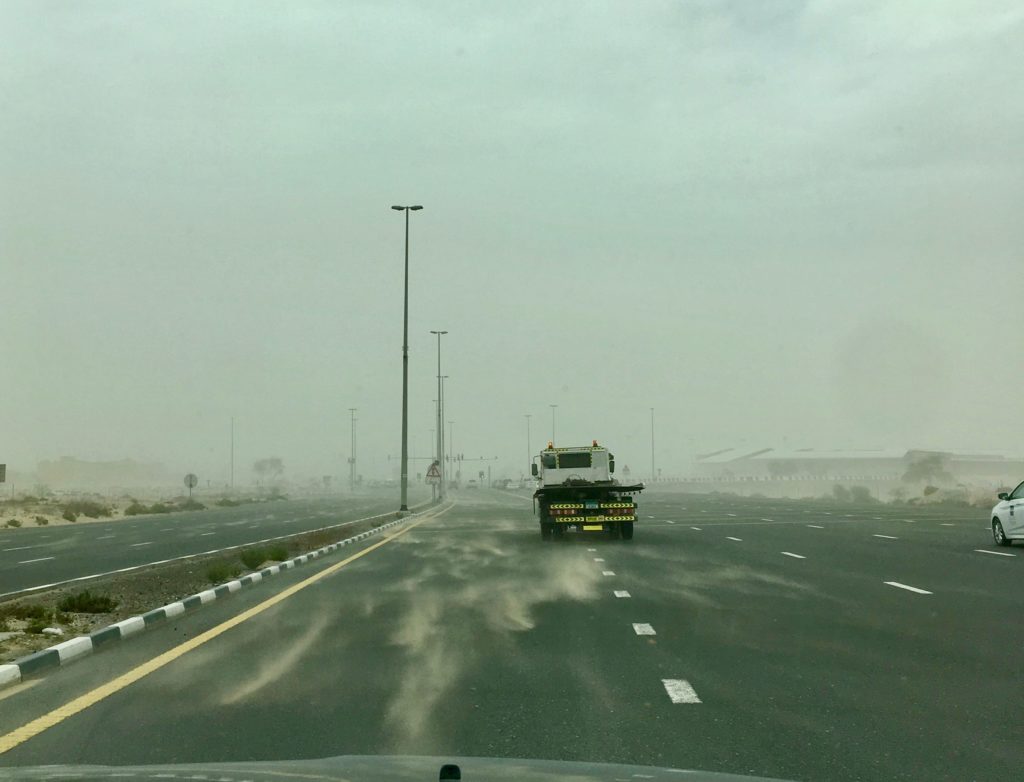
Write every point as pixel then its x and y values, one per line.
pixel 577 491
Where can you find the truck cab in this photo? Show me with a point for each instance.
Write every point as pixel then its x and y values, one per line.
pixel 593 464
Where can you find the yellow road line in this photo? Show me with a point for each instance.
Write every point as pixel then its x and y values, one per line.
pixel 61 713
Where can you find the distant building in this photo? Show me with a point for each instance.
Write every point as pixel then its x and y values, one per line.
pixel 810 464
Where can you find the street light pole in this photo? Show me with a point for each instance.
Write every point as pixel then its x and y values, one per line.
pixel 529 451
pixel 405 365
pixel 553 422
pixel 444 442
pixel 440 413
pixel 451 447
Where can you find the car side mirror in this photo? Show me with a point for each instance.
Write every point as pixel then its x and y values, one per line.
pixel 1004 495
pixel 533 469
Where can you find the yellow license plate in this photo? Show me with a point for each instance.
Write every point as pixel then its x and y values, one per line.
pixel 592 527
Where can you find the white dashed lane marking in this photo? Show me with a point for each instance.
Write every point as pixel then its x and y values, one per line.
pixel 643 629
pixel 622 593
pixel 30 561
pixel 767 519
pixel 105 537
pixel 946 524
pixel 997 553
pixel 730 537
pixel 146 543
pixel 887 537
pixel 205 534
pixel 815 526
pixel 696 528
pixel 669 522
pixel 795 556
pixel 731 514
pixel 898 585
pixel 591 549
pixel 598 559
pixel 20 548
pixel 607 572
pixel 680 691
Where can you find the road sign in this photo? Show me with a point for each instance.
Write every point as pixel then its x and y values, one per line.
pixel 191 480
pixel 434 473
pixel 3 473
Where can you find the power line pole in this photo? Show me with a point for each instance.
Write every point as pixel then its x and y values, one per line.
pixel 232 452
pixel 653 473
pixel 553 407
pixel 529 450
pixel 352 449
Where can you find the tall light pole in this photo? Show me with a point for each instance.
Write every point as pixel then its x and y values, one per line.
pixel 232 452
pixel 405 365
pixel 352 450
pixel 444 443
pixel 440 413
pixel 653 473
pixel 553 407
pixel 529 451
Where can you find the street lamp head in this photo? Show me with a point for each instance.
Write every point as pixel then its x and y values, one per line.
pixel 398 208
pixel 438 332
pixel 416 208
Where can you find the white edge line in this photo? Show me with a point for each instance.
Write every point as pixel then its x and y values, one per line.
pixel 997 553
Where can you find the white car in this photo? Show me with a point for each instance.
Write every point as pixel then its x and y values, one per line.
pixel 1008 517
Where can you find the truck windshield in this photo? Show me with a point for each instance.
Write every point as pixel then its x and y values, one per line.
pixel 574 460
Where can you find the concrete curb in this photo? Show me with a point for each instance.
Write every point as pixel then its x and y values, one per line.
pixel 63 653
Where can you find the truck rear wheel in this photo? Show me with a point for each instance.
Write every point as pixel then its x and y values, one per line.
pixel 559 531
pixel 545 530
pixel 626 528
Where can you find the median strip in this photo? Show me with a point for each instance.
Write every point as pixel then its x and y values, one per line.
pixel 53 657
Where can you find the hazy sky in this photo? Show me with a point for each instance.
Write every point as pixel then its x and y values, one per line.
pixel 779 224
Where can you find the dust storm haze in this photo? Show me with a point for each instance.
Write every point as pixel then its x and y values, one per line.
pixel 795 225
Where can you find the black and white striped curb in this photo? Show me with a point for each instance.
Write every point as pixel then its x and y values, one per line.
pixel 64 653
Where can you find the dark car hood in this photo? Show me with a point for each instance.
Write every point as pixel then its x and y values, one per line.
pixel 360 768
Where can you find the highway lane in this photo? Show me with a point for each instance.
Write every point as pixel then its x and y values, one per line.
pixel 468 635
pixel 47 555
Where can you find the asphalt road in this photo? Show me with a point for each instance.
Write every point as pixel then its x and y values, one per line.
pixel 799 640
pixel 32 557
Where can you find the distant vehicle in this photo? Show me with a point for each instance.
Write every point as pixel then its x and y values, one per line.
pixel 1008 517
pixel 471 484
pixel 577 492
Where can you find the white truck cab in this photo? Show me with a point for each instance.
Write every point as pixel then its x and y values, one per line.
pixel 558 465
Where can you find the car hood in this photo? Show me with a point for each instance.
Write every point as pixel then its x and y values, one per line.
pixel 356 768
